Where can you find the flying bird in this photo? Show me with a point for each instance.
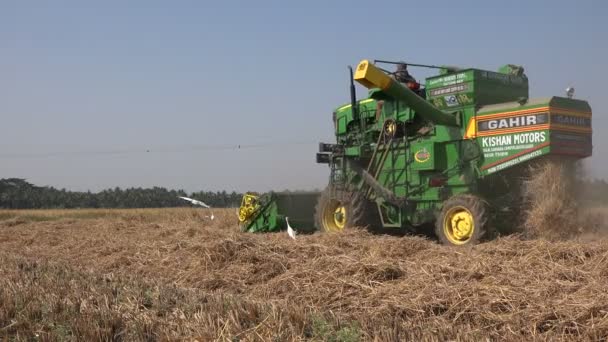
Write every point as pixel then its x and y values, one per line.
pixel 202 204
pixel 195 202
pixel 290 231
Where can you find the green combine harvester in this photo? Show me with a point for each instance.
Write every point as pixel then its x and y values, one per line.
pixel 447 156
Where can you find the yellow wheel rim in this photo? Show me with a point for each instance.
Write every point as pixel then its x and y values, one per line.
pixel 340 217
pixel 390 128
pixel 334 217
pixel 458 225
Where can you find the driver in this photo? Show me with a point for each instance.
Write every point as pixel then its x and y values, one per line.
pixel 402 75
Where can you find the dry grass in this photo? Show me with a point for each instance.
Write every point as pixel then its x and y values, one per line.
pixel 553 198
pixel 171 274
pixel 56 214
pixel 552 209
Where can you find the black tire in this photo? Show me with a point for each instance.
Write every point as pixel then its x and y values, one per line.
pixel 453 224
pixel 359 212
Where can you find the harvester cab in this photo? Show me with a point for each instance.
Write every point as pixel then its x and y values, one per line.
pixel 442 156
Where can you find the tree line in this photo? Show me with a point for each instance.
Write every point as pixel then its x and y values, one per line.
pixel 16 193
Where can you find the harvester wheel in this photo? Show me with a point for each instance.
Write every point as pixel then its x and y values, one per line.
pixel 340 210
pixel 463 221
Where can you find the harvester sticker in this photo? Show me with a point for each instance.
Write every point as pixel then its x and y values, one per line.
pixel 502 145
pixel 513 139
pixel 484 125
pixel 451 101
pixel 515 159
pixel 508 122
pixel 571 120
pixel 533 119
pixel 459 88
pixel 464 99
pixel 449 80
pixel 422 155
pixel 507 139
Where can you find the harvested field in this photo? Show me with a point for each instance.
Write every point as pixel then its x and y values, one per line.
pixel 170 274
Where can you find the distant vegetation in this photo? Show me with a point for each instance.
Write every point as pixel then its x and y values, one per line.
pixel 16 193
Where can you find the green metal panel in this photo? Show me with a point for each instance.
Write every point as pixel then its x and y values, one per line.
pixel 266 219
pixel 392 173
pixel 344 114
pixel 276 206
pixel 353 151
pixel 341 121
pixel 299 207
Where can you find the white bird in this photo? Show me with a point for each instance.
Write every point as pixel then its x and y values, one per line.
pixel 202 204
pixel 290 231
pixel 196 202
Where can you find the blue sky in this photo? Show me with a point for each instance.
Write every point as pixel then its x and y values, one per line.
pixel 89 87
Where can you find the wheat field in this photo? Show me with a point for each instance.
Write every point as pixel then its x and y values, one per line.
pixel 172 274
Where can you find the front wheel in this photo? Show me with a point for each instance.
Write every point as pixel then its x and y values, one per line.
pixel 463 221
pixel 340 210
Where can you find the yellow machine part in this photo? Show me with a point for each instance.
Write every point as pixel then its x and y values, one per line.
pixel 371 77
pixel 249 205
pixel 459 225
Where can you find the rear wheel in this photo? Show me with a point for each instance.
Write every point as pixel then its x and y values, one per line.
pixel 340 210
pixel 463 221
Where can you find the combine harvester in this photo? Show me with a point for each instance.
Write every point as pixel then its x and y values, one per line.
pixel 448 156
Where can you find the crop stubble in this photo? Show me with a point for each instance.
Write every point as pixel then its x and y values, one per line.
pixel 171 274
